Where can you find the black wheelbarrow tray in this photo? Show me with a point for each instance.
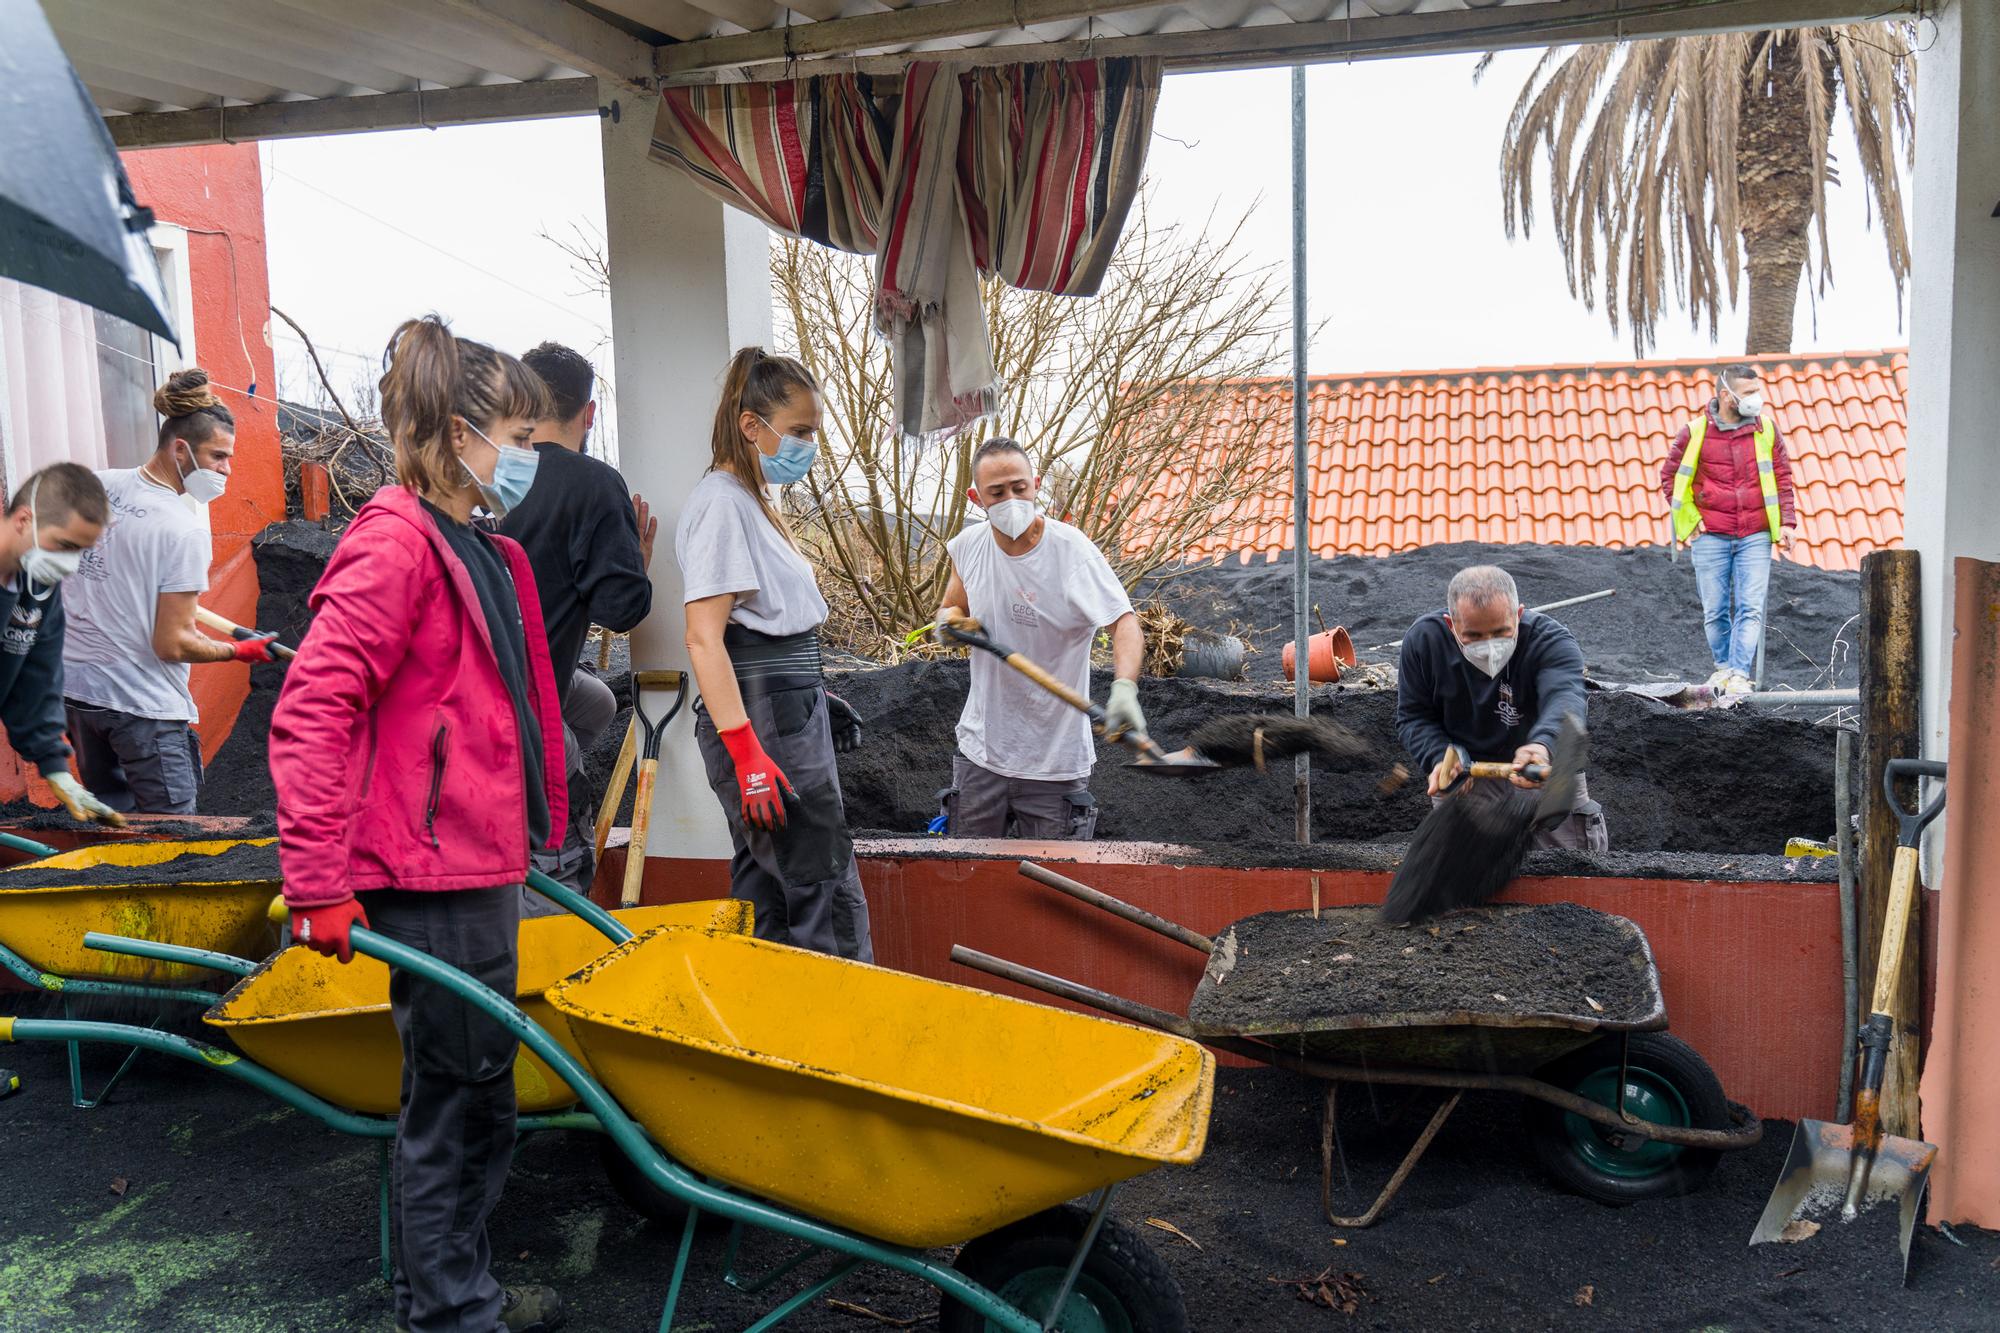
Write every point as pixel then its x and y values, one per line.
pixel 869 1114
pixel 1618 1110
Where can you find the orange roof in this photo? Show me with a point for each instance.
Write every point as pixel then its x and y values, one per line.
pixel 1565 455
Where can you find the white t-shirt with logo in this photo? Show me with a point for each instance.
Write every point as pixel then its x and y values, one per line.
pixel 1046 605
pixel 724 543
pixel 155 543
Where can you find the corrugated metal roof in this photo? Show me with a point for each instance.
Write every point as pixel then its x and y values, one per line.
pixel 166 56
pixel 1567 456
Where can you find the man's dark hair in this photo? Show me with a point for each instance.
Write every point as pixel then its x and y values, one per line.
pixel 62 491
pixel 572 380
pixel 996 446
pixel 1728 376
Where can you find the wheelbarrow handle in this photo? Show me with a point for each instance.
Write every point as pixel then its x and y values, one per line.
pixel 1913 821
pixel 576 904
pixel 15 842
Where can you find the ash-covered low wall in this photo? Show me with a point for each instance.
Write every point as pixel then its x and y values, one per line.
pixel 1748 947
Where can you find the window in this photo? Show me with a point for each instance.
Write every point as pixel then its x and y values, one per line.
pixel 77 384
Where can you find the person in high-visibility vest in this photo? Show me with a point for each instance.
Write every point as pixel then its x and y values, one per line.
pixel 1729 485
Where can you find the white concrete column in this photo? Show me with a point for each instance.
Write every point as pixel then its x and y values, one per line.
pixel 1952 505
pixel 690 283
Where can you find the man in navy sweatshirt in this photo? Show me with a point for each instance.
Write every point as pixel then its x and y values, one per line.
pixel 1493 683
pixel 57 515
pixel 589 540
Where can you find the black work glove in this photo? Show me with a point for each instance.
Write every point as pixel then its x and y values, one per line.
pixel 845 721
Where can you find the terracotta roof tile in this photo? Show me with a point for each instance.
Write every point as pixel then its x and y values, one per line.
pixel 1563 454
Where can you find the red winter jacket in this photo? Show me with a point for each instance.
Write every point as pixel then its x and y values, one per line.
pixel 1726 490
pixel 394 746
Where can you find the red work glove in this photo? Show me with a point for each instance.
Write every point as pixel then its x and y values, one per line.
pixel 257 648
pixel 324 928
pixel 758 777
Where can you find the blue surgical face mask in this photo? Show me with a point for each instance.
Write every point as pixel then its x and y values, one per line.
pixel 513 474
pixel 792 461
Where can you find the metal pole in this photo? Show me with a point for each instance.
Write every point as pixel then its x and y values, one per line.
pixel 1301 497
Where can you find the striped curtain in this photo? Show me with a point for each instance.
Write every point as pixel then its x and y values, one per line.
pixel 1026 172
pixel 809 157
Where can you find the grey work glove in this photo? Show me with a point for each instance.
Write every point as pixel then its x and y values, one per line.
pixel 845 721
pixel 80 803
pixel 1121 711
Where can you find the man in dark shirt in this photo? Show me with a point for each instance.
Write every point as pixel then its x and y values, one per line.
pixel 590 542
pixel 1492 682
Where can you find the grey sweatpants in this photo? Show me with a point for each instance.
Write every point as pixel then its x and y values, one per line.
pixel 455 1136
pixel 980 803
pixel 801 881
pixel 135 765
pixel 587 710
pixel 1583 831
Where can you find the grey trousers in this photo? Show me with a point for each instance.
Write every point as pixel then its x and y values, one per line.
pixel 587 711
pixel 1583 831
pixel 980 803
pixel 801 881
pixel 135 765
pixel 455 1136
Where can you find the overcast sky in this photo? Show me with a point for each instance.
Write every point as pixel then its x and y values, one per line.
pixel 1409 266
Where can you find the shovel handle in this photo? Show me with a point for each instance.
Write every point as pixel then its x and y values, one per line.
pixel 1034 672
pixel 223 625
pixel 1912 821
pixel 642 824
pixel 1895 930
pixel 1484 769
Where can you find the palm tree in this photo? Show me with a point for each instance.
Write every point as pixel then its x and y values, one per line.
pixel 1664 153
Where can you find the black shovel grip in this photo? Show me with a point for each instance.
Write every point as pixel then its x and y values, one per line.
pixel 1913 821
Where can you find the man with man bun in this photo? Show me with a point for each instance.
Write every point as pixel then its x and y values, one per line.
pixel 132 634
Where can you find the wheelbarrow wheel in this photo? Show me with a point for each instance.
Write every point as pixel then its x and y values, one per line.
pixel 1667 1082
pixel 1123 1288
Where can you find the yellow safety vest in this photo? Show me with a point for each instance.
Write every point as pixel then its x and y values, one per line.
pixel 1686 515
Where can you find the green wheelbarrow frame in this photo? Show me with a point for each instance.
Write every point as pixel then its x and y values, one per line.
pixel 602 1114
pixel 69 989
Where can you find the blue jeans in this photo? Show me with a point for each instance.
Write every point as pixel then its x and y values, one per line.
pixel 1732 574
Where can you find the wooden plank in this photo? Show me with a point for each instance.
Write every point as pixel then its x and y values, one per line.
pixel 565 34
pixel 539 100
pixel 675 18
pixel 1326 41
pixel 1891 716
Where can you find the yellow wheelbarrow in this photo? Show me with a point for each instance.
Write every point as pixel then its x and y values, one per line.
pixel 208 896
pixel 860 1111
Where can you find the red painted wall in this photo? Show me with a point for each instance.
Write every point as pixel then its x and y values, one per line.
pixel 217 193
pixel 1751 972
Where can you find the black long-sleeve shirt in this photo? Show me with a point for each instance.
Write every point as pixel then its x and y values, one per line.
pixel 1444 700
pixel 31 674
pixel 582 539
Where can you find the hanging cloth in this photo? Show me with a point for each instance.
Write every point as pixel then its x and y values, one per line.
pixel 1026 172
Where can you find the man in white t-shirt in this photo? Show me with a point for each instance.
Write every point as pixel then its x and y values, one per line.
pixel 1041 588
pixel 132 633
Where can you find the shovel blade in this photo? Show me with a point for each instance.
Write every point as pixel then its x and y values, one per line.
pixel 1180 764
pixel 1813 1184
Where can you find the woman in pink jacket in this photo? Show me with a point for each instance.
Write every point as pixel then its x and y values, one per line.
pixel 417 754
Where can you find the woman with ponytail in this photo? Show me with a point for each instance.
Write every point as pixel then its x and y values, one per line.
pixel 766 725
pixel 417 754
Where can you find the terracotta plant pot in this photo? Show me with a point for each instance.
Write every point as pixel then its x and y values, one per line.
pixel 1328 653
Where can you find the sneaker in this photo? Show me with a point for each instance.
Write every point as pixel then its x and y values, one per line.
pixel 1718 678
pixel 1738 683
pixel 531 1310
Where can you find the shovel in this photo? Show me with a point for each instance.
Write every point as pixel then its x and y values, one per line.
pixel 1556 798
pixel 1151 758
pixel 1857 1165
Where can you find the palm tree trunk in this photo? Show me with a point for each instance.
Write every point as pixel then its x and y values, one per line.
pixel 1774 179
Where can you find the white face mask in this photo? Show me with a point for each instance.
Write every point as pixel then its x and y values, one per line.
pixel 1749 406
pixel 201 485
pixel 1012 517
pixel 1489 655
pixel 45 568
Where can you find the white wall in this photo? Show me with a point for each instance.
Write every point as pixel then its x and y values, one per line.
pixel 1953 504
pixel 690 283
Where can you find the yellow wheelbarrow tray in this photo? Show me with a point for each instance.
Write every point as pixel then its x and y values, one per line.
pixel 911 1110
pixel 42 924
pixel 325 1025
